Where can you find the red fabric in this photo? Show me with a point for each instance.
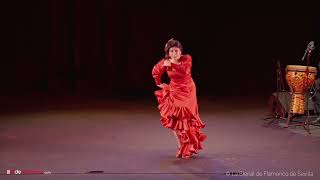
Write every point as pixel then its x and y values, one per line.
pixel 178 104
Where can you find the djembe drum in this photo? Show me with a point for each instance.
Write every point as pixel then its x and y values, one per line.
pixel 299 78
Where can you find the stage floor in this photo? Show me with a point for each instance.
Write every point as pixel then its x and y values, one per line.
pixel 124 139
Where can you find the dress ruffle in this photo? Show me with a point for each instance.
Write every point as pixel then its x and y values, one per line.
pixel 180 119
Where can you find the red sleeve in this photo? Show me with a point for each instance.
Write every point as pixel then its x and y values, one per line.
pixel 185 66
pixel 157 71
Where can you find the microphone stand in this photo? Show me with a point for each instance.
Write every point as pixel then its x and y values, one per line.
pixel 278 112
pixel 306 122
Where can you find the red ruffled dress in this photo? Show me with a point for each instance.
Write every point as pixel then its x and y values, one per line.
pixel 178 105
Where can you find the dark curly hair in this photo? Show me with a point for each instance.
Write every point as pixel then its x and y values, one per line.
pixel 172 43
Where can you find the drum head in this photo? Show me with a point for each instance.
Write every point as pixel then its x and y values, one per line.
pixel 301 68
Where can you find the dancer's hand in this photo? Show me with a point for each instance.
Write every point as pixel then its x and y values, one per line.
pixel 166 63
pixel 162 85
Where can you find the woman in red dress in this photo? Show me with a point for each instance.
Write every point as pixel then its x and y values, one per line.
pixel 178 101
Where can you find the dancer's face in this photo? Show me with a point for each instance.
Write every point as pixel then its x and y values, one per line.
pixel 175 53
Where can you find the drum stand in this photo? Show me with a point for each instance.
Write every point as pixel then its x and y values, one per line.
pixel 305 124
pixel 280 85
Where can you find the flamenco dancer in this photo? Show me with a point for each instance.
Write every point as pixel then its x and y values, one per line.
pixel 178 101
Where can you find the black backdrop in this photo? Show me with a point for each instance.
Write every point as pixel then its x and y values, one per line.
pixel 109 47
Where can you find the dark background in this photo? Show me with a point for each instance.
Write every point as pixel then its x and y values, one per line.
pixel 108 48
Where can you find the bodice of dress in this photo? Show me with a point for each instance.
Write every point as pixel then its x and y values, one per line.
pixel 178 73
